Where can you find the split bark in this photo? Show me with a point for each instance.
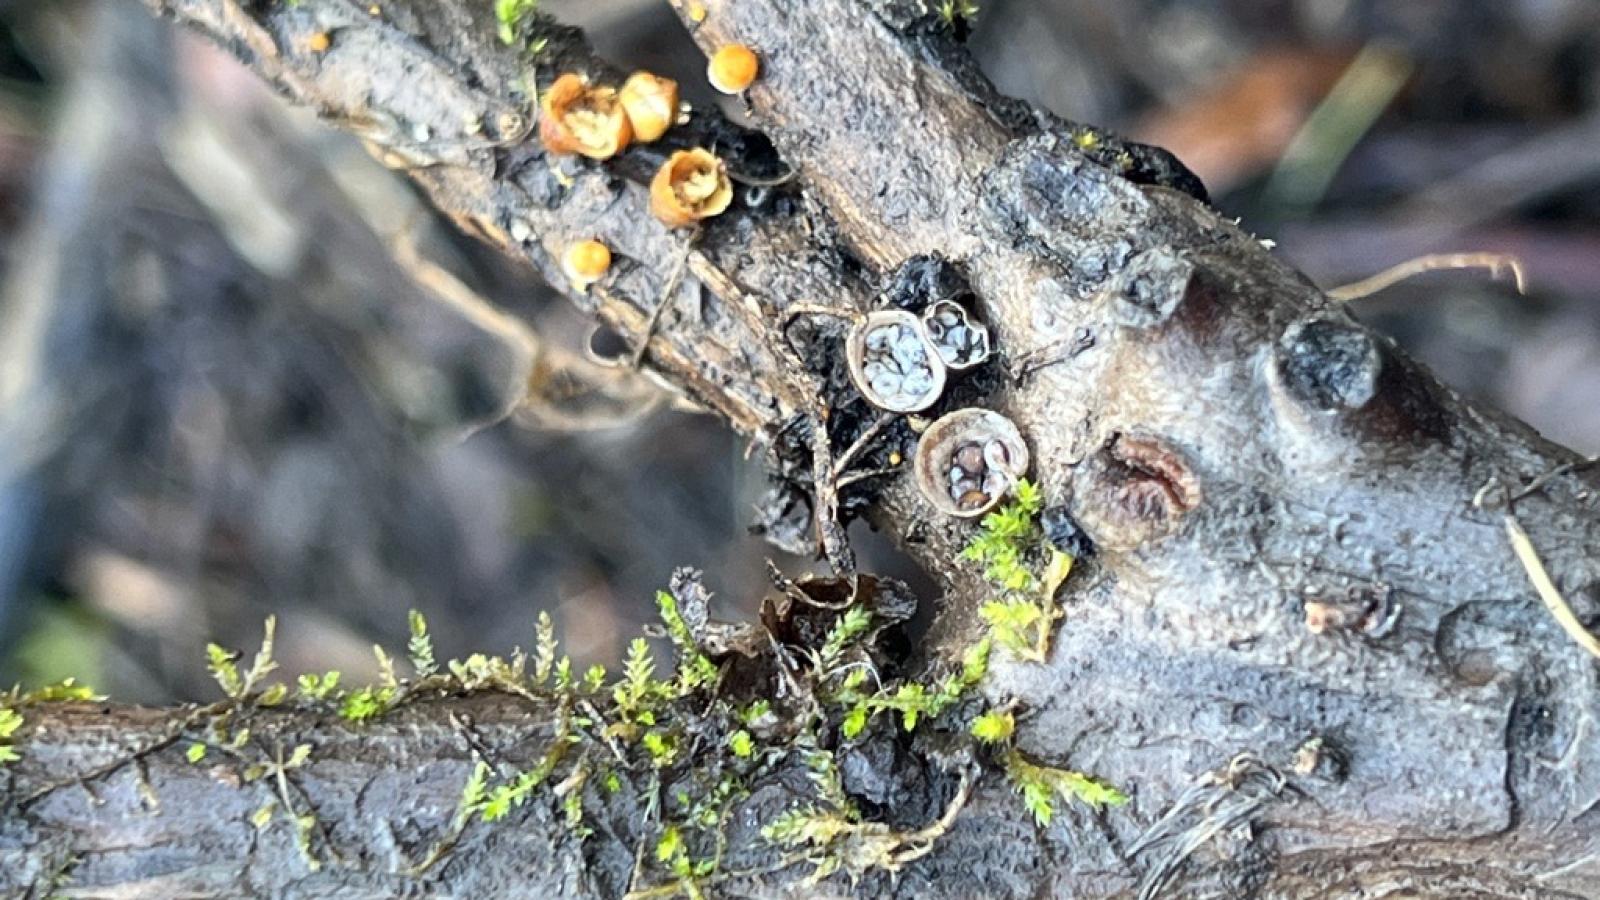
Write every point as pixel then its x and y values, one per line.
pixel 1301 535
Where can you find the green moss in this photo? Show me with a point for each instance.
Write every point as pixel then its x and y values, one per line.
pixel 366 704
pixel 1041 786
pixel 313 687
pixel 498 800
pixel 651 724
pixel 420 647
pixel 695 669
pixel 952 11
pixel 224 667
pixel 1005 536
pixel 274 773
pixel 1010 546
pixel 10 721
pixel 846 631
pixel 994 726
pixel 516 20
pixel 64 691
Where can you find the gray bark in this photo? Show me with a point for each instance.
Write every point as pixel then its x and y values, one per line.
pixel 1240 449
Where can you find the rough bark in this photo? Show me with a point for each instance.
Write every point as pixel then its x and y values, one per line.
pixel 1241 451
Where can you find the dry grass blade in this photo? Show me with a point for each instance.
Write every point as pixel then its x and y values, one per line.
pixel 1548 592
pixel 1434 262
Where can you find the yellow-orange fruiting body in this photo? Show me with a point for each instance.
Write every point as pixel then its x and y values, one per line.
pixel 651 103
pixel 577 118
pixel 733 68
pixel 586 262
pixel 691 185
pixel 319 42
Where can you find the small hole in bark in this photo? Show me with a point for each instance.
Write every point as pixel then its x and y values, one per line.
pixel 1476 668
pixel 1246 716
pixel 607 347
pixel 922 280
pixel 1321 757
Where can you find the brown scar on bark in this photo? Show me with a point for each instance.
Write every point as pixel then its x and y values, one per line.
pixel 1141 487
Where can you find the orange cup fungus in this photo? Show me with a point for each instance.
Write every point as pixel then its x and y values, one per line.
pixel 691 185
pixel 580 118
pixel 651 103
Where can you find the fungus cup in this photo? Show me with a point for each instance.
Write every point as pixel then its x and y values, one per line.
pixel 583 119
pixel 968 460
pixel 961 342
pixel 651 103
pixel 892 362
pixel 691 185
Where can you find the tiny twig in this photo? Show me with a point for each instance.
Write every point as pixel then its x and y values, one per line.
pixel 853 316
pixel 862 475
pixel 284 783
pixel 652 808
pixel 825 505
pixel 926 836
pixel 1050 354
pixel 1538 483
pixel 679 265
pixel 480 748
pixel 1433 262
pixel 609 741
pixel 755 181
pixel 458 823
pixel 870 433
pixel 1528 555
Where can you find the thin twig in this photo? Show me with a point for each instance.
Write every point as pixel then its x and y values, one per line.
pixel 845 481
pixel 1538 483
pixel 679 265
pixel 860 444
pixel 756 181
pixel 853 316
pixel 825 503
pixel 926 836
pixel 1433 262
pixel 1050 354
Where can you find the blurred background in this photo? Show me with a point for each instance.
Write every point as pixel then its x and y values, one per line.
pixel 243 370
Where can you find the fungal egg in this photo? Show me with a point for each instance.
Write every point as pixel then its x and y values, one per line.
pixel 586 262
pixel 733 68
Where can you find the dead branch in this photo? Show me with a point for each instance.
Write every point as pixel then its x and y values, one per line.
pixel 1236 445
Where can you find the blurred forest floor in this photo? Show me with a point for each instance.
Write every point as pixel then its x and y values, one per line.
pixel 228 388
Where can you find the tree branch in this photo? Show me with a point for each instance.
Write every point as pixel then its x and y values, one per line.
pixel 1294 591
